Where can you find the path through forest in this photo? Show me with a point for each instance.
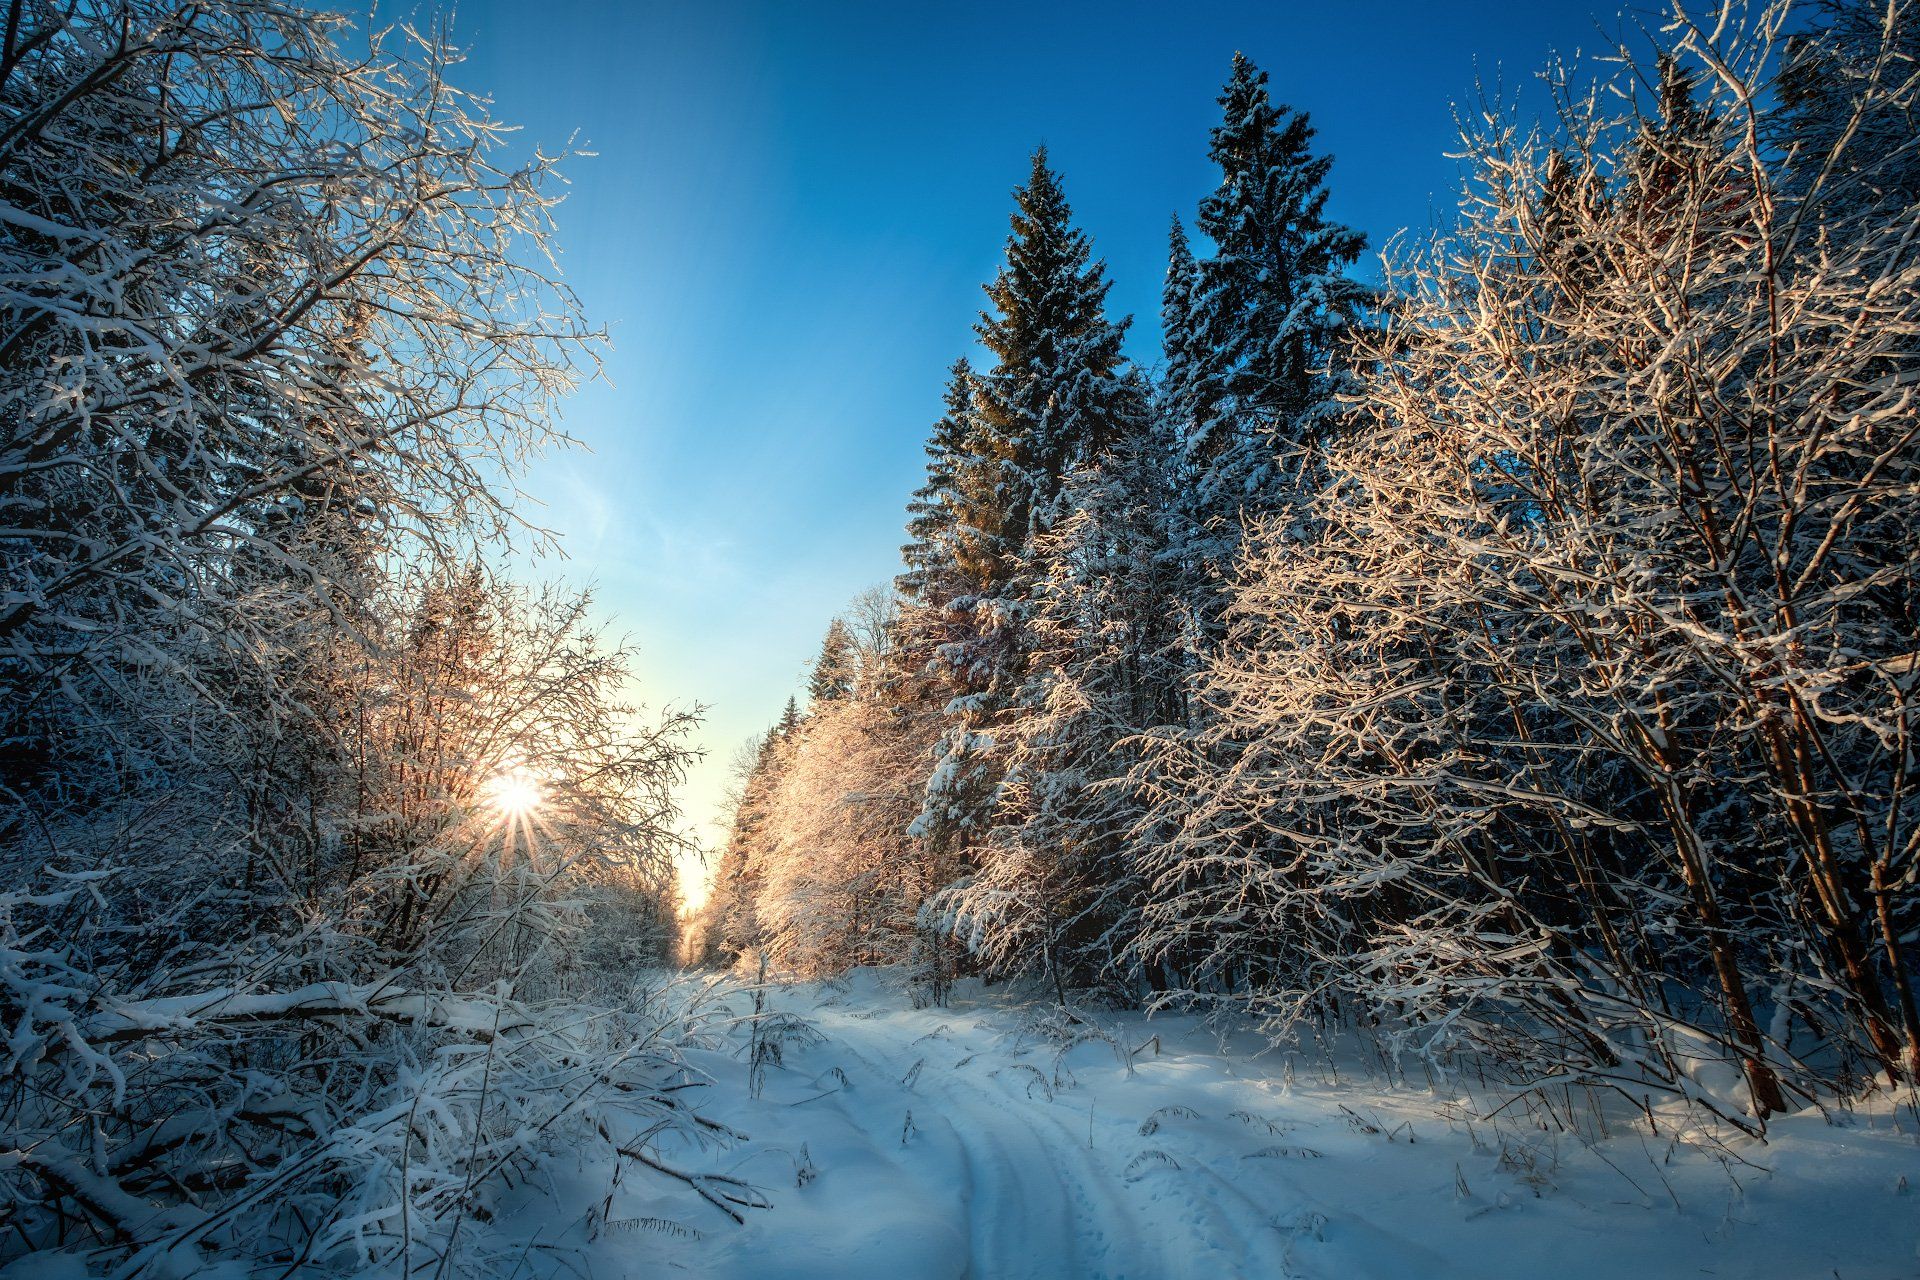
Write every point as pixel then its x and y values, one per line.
pixel 996 1141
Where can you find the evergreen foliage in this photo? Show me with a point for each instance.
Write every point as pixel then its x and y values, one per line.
pixel 1256 338
pixel 1054 396
pixel 833 672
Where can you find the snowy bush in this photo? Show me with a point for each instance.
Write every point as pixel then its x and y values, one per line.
pixel 164 1123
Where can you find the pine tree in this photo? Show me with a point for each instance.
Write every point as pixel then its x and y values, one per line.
pixel 1057 888
pixel 934 578
pixel 1180 342
pixel 1264 327
pixel 789 720
pixel 834 671
pixel 1254 335
pixel 931 514
pixel 1176 405
pixel 1052 399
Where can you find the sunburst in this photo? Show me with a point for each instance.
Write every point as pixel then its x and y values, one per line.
pixel 514 793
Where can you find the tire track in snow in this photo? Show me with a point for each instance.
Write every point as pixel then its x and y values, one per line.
pixel 1019 1218
pixel 1039 1202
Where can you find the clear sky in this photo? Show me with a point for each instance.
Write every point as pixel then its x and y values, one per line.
pixel 788 220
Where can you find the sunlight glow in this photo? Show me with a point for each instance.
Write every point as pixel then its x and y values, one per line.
pixel 514 793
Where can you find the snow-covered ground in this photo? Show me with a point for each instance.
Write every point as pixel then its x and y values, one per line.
pixel 965 1142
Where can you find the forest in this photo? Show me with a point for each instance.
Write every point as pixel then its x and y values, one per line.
pixel 1501 671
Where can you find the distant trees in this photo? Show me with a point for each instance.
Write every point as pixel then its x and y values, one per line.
pixel 844 879
pixel 833 671
pixel 820 870
pixel 1514 663
pixel 733 925
pixel 497 772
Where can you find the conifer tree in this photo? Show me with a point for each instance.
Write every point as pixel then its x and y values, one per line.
pixel 1261 335
pixel 834 671
pixel 789 720
pixel 1052 398
pixel 1057 890
pixel 931 514
pixel 1848 86
pixel 933 578
pixel 1180 342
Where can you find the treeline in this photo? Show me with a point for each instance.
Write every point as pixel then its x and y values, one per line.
pixel 315 831
pixel 1517 660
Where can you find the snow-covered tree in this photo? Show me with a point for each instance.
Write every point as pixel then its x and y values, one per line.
pixel 298 819
pixel 1847 84
pixel 822 869
pixel 834 672
pixel 229 304
pixel 931 555
pixel 1255 360
pixel 1574 736
pixel 843 879
pixel 1057 889
pixel 742 866
pixel 1055 395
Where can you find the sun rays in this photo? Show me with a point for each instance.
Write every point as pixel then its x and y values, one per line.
pixel 517 801
pixel 514 793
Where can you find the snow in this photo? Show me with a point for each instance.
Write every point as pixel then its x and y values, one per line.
pixel 983 1140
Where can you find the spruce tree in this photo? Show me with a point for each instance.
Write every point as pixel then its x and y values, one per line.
pixel 834 670
pixel 1050 401
pixel 1262 334
pixel 1053 396
pixel 933 578
pixel 1182 364
pixel 1056 890
pixel 929 552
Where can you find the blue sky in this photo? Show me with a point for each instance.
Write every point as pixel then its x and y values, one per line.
pixel 787 222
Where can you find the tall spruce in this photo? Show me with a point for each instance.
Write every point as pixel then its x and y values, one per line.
pixel 933 577
pixel 929 577
pixel 1257 349
pixel 1051 400
pixel 1054 395
pixel 1182 365
pixel 1057 890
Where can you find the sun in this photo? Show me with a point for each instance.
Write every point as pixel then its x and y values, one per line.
pixel 514 793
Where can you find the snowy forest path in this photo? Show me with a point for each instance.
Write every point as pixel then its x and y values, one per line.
pixel 999 1140
pixel 1034 1201
pixel 1044 1177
